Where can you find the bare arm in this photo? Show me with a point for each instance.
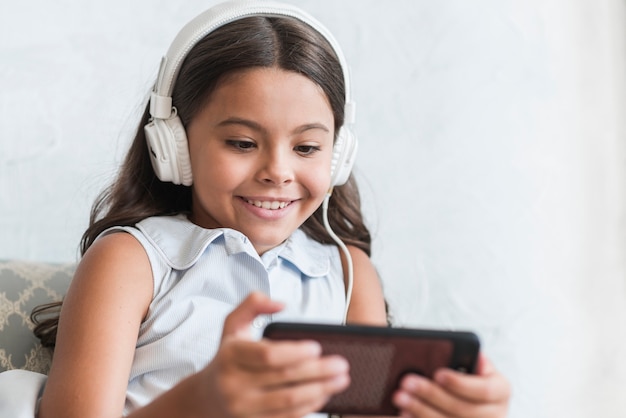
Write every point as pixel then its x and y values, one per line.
pixel 368 303
pixel 98 328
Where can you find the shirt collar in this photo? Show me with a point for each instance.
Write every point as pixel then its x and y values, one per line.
pixel 304 253
pixel 312 258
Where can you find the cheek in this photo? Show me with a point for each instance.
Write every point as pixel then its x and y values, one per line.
pixel 204 171
pixel 318 181
pixel 215 170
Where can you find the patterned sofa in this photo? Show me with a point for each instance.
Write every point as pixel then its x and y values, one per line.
pixel 24 285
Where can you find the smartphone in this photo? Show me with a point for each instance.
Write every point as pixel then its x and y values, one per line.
pixel 380 356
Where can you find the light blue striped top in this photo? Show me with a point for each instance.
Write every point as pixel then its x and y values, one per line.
pixel 200 275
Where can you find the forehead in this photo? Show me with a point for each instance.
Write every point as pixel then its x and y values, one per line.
pixel 268 88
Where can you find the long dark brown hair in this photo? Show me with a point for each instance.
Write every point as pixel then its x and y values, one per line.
pixel 137 193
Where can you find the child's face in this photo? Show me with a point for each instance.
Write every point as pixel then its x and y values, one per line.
pixel 261 153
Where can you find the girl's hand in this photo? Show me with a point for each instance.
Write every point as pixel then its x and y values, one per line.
pixel 268 378
pixel 453 394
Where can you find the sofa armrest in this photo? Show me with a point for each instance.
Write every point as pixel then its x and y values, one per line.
pixel 23 286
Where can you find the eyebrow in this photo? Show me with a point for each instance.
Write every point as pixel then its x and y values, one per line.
pixel 257 127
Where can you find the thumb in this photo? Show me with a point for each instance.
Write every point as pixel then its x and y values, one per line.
pixel 484 366
pixel 237 323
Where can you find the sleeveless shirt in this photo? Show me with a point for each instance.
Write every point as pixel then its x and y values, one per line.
pixel 200 275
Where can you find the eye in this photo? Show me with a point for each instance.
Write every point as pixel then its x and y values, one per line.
pixel 307 149
pixel 240 144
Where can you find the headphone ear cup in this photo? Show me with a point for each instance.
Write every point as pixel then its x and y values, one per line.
pixel 169 151
pixel 183 161
pixel 344 154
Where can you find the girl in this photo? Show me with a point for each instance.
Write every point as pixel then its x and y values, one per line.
pixel 222 220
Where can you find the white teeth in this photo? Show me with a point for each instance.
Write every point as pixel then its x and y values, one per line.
pixel 273 205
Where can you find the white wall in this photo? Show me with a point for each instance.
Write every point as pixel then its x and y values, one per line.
pixel 492 162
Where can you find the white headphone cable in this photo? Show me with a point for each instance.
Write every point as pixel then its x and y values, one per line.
pixel 345 250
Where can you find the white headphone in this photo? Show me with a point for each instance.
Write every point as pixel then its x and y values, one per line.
pixel 165 134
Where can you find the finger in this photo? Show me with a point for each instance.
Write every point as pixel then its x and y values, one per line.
pixel 437 400
pixel 245 389
pixel 264 355
pixel 488 386
pixel 301 399
pixel 484 366
pixel 237 323
pixel 410 406
pixel 429 399
pixel 329 367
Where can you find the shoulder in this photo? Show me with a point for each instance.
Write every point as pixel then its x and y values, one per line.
pixel 113 283
pixel 116 246
pixel 117 257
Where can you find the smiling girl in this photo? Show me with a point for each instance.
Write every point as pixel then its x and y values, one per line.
pixel 261 152
pixel 215 226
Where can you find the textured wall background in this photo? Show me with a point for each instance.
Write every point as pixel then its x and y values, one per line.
pixel 492 162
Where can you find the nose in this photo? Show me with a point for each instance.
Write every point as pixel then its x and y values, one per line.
pixel 276 168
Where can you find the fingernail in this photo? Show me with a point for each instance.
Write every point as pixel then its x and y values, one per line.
pixel 413 383
pixel 314 348
pixel 342 380
pixel 442 377
pixel 340 364
pixel 402 399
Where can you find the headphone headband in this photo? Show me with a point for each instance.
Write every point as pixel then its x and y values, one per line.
pixel 220 15
pixel 165 134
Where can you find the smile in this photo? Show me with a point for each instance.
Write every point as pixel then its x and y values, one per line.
pixel 272 205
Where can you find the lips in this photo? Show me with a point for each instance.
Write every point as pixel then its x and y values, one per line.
pixel 269 204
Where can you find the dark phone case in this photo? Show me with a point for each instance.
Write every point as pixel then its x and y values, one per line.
pixel 379 357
